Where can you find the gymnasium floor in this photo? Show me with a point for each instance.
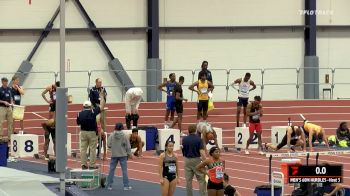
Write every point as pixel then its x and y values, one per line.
pixel 246 171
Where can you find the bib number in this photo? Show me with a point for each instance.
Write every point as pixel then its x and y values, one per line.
pixel 54 96
pixel 204 90
pixel 17 98
pixel 172 169
pixel 219 173
pixel 256 117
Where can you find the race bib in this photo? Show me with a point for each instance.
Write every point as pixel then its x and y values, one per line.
pixel 219 173
pixel 17 98
pixel 204 90
pixel 7 95
pixel 256 117
pixel 54 96
pixel 172 169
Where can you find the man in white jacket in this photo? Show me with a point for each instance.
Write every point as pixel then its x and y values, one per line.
pixel 132 101
pixel 121 150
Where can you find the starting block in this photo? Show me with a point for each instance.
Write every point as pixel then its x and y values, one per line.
pixel 277 134
pixel 141 133
pixel 69 145
pixel 241 137
pixel 24 145
pixel 168 134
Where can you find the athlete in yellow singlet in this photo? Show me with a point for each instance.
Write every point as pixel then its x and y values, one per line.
pixel 313 132
pixel 203 88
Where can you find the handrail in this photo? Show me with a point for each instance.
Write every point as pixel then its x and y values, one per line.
pixel 221 78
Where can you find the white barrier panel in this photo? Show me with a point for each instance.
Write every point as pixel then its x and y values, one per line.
pixel 69 145
pixel 277 134
pixel 169 134
pixel 141 133
pixel 298 154
pixel 24 145
pixel 277 180
pixel 241 137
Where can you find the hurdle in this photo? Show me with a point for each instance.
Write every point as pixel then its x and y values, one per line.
pixel 301 154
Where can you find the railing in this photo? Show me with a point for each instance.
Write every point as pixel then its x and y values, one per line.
pixel 272 83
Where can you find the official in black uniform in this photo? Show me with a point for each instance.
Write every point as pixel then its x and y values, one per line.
pixel 88 134
pixel 5 108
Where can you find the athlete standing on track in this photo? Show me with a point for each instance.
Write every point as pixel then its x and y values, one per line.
pixel 243 96
pixel 203 88
pixel 216 167
pixel 51 89
pixel 170 102
pixel 168 170
pixel 254 111
pixel 178 104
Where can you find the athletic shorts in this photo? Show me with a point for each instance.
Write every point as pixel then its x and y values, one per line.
pixel 215 186
pixel 255 127
pixel 202 105
pixel 169 177
pixel 284 142
pixel 52 107
pixel 170 105
pixel 179 107
pixel 50 131
pixel 242 102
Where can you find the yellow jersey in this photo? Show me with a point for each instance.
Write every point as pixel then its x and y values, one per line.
pixel 203 90
pixel 309 126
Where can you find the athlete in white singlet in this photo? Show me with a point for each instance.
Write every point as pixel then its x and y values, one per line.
pixel 243 96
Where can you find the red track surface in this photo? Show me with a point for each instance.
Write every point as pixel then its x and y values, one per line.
pixel 246 171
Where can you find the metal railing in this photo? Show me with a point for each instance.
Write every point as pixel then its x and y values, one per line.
pixel 271 82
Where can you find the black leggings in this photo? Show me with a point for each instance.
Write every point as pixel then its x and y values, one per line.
pixel 284 142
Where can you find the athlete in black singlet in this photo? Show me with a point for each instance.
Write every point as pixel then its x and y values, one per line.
pixel 294 136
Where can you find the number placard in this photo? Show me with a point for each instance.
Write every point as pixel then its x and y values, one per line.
pixel 24 145
pixel 241 137
pixel 165 135
pixel 277 134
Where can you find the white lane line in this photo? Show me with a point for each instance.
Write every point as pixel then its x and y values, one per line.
pixel 39 116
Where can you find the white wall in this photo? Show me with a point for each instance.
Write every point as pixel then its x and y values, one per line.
pixel 225 50
pixel 104 13
pixel 230 12
pixel 84 53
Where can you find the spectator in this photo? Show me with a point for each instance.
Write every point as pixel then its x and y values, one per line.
pixel 229 190
pixel 193 151
pixel 343 133
pixel 136 143
pixel 5 109
pixel 88 134
pixel 121 150
pixel 205 71
pixel 17 92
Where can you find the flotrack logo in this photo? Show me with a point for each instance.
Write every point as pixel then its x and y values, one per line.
pixel 316 12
